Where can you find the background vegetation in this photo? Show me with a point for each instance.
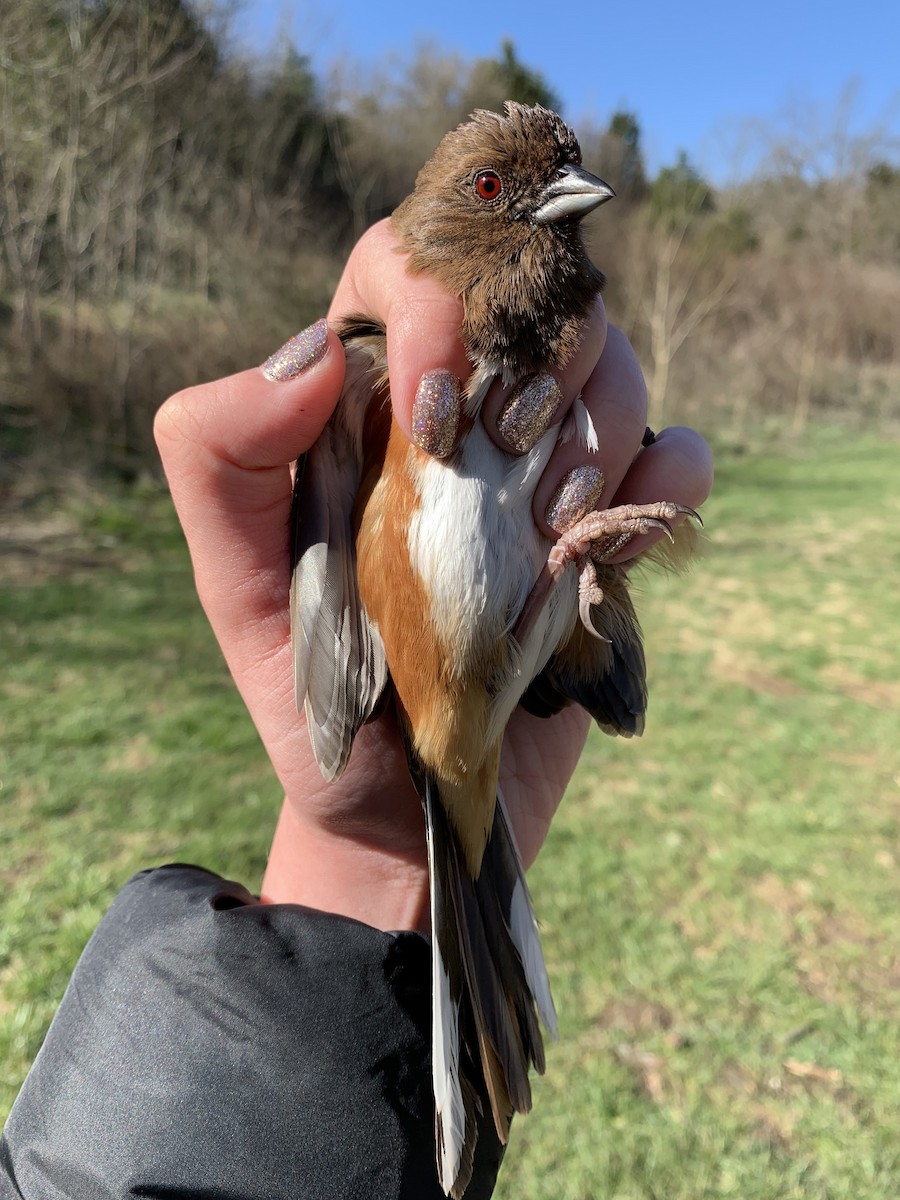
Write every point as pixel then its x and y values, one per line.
pixel 170 211
pixel 720 898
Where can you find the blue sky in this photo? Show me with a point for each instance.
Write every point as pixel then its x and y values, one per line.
pixel 698 75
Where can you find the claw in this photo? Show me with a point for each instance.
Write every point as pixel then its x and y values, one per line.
pixel 686 511
pixel 584 612
pixel 590 594
pixel 659 523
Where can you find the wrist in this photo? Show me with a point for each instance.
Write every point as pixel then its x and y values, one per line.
pixel 355 846
pixel 324 868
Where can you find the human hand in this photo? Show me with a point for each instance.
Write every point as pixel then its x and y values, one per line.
pixel 356 846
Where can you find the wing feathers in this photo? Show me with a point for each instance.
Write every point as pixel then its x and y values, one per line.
pixel 506 864
pixel 608 678
pixel 339 664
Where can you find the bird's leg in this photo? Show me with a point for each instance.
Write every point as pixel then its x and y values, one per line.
pixel 596 538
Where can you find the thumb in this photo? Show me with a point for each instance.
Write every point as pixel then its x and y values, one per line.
pixel 264 417
pixel 226 448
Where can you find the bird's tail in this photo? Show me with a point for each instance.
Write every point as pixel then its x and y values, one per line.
pixel 490 988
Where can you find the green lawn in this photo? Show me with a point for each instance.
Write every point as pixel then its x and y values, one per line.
pixel 720 900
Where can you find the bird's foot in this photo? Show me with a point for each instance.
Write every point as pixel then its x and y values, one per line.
pixel 600 536
pixel 596 539
pixel 589 593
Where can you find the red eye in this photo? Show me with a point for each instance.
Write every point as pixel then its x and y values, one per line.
pixel 488 185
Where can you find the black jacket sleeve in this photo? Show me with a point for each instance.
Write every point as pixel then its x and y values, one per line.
pixel 211 1046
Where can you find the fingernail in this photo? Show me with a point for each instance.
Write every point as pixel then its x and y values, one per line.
pixel 435 412
pixel 304 349
pixel 576 496
pixel 527 413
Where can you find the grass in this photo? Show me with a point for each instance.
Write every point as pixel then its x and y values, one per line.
pixel 124 743
pixel 719 899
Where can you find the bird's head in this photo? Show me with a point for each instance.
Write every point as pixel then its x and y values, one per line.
pixel 495 216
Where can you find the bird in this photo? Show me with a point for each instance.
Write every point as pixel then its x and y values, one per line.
pixel 421 581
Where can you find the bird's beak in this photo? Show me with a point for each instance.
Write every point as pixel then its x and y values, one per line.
pixel 573 193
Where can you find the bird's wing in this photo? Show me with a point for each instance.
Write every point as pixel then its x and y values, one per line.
pixel 608 678
pixel 339 664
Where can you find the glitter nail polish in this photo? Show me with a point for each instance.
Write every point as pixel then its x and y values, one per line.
pixel 576 496
pixel 435 412
pixel 304 349
pixel 527 413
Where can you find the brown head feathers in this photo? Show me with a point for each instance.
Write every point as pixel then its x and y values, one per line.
pixel 495 217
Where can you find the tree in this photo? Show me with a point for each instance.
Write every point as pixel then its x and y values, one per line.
pixel 492 81
pixel 882 191
pixel 622 149
pixel 679 194
pixel 690 264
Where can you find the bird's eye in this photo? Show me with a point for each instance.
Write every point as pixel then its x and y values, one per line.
pixel 488 185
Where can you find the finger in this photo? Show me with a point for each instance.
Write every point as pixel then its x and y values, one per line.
pixel 517 416
pixel 677 466
pixel 226 447
pixel 422 319
pixel 577 481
